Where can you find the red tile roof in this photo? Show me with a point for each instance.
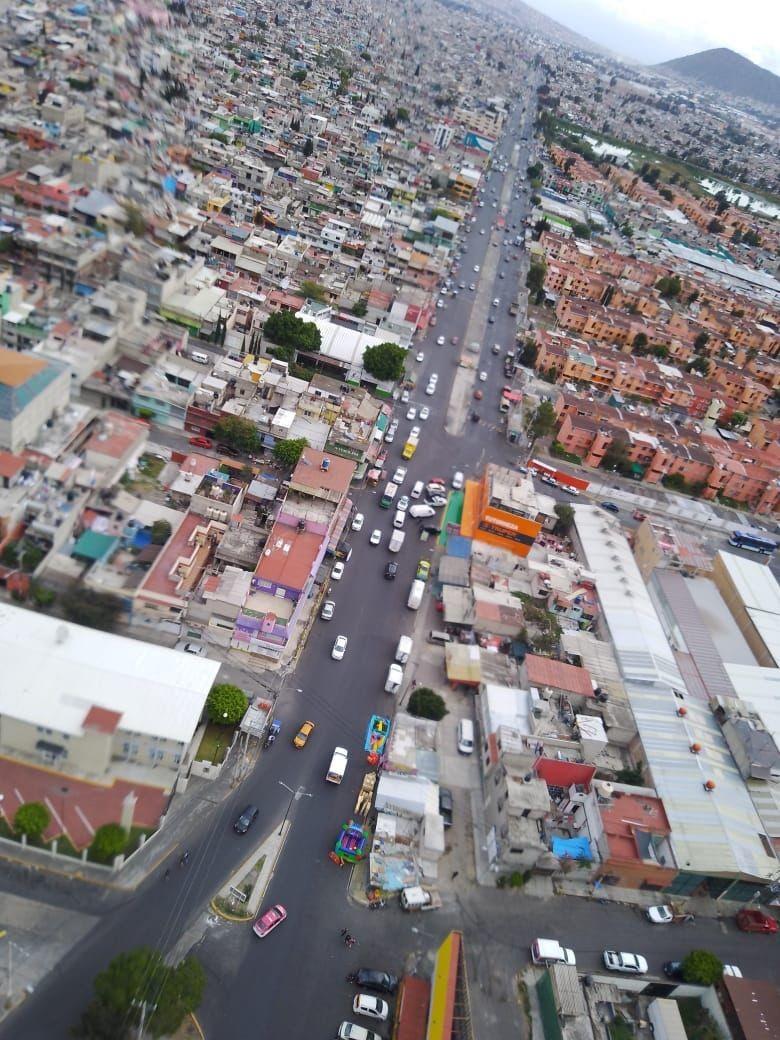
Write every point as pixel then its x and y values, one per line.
pixel 289 556
pixel 103 720
pixel 543 671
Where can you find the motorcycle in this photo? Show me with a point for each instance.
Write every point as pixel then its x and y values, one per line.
pixel 273 733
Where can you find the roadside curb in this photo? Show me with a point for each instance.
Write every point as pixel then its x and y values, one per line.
pixel 264 879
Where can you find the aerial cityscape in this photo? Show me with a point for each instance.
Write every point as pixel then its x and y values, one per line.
pixel 389 525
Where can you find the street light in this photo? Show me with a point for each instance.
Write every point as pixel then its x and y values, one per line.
pixel 295 796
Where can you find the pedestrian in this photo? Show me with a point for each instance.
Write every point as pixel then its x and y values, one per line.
pixel 344 933
pixel 167 873
pixel 454 874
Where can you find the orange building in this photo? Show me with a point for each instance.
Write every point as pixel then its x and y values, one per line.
pixel 502 509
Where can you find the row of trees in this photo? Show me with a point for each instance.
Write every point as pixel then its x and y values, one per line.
pixel 33 819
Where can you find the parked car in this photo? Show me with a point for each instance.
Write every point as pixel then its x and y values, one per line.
pixel 609 506
pixel 351 1031
pixel 201 442
pixel 421 512
pixel 370 1006
pixel 423 570
pixel 756 921
pixel 440 341
pixel 424 412
pixel 419 356
pixel 303 734
pixel 659 914
pixel 338 571
pixel 430 389
pixel 225 449
pixel 197 649
pixel 339 648
pixel 269 920
pixel 357 522
pixel 639 515
pixel 403 504
pixel 673 970
pixel 246 819
pixel 328 609
pixel 376 537
pixel 632 963
pixel 437 501
pixel 445 805
pixel 379 981
pixel 457 480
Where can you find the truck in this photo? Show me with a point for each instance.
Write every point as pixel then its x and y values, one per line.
pixel 667 1023
pixel 410 447
pixel 395 678
pixel 404 649
pixel 415 595
pixel 419 898
pixel 338 766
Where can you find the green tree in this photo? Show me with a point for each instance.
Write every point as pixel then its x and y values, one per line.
pixel 94 609
pixel 616 455
pixel 580 230
pixel 640 341
pixel 238 433
pixel 226 704
pixel 99 1022
pixel 299 75
pixel 289 452
pixel 669 286
pixel 751 238
pixel 534 171
pixel 701 341
pixel 134 221
pixel 32 819
pixel 737 419
pixel 425 703
pixel 42 596
pixel 702 968
pixel 10 554
pixel 715 227
pixel 634 776
pixel 308 148
pixel 529 354
pixel 312 291
pixel 286 330
pixel 161 532
pixel 385 361
pixel 699 364
pixel 402 115
pixel 141 976
pixel 359 309
pixel 565 516
pixel 110 840
pixel 543 422
pixel 535 279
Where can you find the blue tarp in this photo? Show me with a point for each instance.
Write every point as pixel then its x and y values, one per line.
pixel 571 848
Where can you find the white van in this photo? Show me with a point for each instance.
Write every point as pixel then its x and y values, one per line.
pixel 415 594
pixel 396 541
pixel 550 951
pixel 465 736
pixel 418 489
pixel 421 512
pixel 200 357
pixel 399 519
pixel 338 766
pixel 404 649
pixel 395 678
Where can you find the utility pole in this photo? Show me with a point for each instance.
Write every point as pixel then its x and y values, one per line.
pixel 295 796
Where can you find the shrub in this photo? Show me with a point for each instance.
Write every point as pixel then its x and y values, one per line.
pixel 32 819
pixel 427 704
pixel 702 968
pixel 226 704
pixel 110 840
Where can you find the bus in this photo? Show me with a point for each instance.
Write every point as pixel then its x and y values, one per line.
pixel 754 542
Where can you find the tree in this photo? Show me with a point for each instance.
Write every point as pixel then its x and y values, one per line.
pixel 359 309
pixel 226 704
pixel 94 609
pixel 640 341
pixel 565 516
pixel 141 976
pixel 289 452
pixel 308 147
pixel 32 819
pixel 543 422
pixel 238 433
pixel 702 968
pixel 715 227
pixel 632 775
pixel 402 115
pixel 385 361
pixel 529 354
pixel 312 290
pixel 161 532
pixel 535 278
pixel 42 596
pixel 580 230
pixel 109 842
pixel 669 286
pixel 299 75
pixel 699 364
pixel 701 341
pixel 100 1022
pixel 751 238
pixel 284 329
pixel 738 419
pixel 425 703
pixel 616 455
pixel 134 221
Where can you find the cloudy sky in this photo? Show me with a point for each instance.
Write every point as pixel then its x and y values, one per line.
pixel 657 30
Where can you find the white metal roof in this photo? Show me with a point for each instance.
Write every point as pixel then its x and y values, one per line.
pixel 54 672
pixel 760 594
pixel 713 832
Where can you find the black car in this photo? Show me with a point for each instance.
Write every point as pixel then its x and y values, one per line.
pixel 381 981
pixel 673 969
pixel 225 449
pixel 429 529
pixel 246 819
pixel 445 805
pixel 391 569
pixel 609 506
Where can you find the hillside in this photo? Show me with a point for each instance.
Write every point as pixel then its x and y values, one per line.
pixel 728 71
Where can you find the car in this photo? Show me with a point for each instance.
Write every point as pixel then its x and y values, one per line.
pixel 445 805
pixel 478 395
pixel 399 475
pixel 303 734
pixel 338 571
pixel 472 287
pixel 390 435
pixel 351 1031
pixel 673 969
pixel 424 412
pixel 440 341
pixel 415 431
pixel 432 322
pixel 483 376
pixel 570 490
pixel 391 569
pixel 732 970
pixel 376 537
pixel 501 274
pixel 196 649
pixel 269 920
pixel 440 304
pixel 430 389
pixel 411 413
pixel 659 914
pixel 756 921
pixel 457 480
pixel 370 1006
pixel 357 522
pixel 421 512
pixel 403 504
pixel 461 285
pixel 379 981
pixel 419 356
pixel 339 648
pixel 433 378
pixel 632 963
pixel 226 449
pixel 491 320
pixel 476 268
pixel 201 442
pixel 423 570
pixel 609 506
pixel 481 230
pixel 328 609
pixel 437 501
pixel 405 396
pixel 246 819
pixel 639 516
pixel 496 349
pixel 454 341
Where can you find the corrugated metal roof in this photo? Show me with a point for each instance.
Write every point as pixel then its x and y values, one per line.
pixel 760 594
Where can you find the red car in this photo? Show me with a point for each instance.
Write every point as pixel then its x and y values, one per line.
pixel 269 920
pixel 755 921
pixel 201 442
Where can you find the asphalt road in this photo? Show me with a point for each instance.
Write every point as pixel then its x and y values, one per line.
pixel 292 983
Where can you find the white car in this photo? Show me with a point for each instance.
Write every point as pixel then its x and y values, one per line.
pixel 433 378
pixel 440 304
pixel 419 356
pixel 390 435
pixel 412 413
pixel 357 523
pixel 338 571
pixel 403 504
pixel 328 607
pixel 376 537
pixel 339 648
pixel 352 1031
pixel 632 963
pixel 440 341
pixel 415 431
pixel 424 412
pixel 659 914
pixel 457 480
pixel 370 1006
pixel 482 231
pixel 437 500
pixel 399 475
pixel 430 389
pixel 483 376
pixel 476 268
pixel 405 396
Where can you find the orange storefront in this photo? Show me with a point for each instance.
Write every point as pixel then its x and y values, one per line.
pixel 496 526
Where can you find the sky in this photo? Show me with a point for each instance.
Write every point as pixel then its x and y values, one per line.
pixel 657 30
